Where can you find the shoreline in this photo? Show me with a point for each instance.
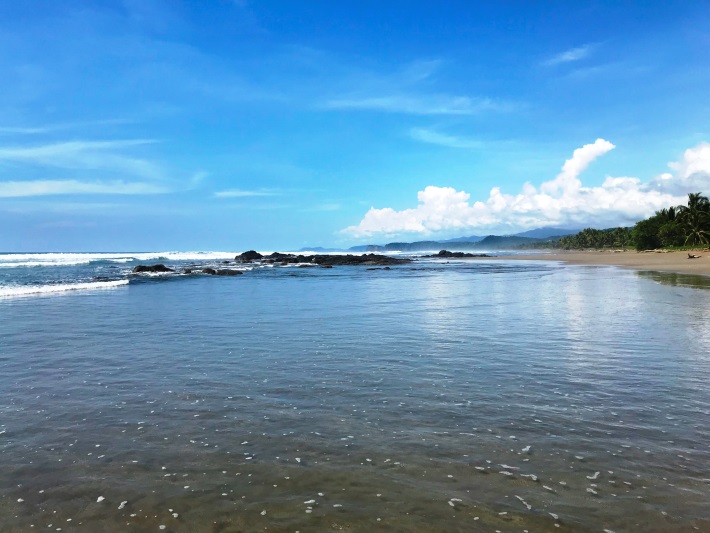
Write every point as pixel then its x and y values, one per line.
pixel 661 261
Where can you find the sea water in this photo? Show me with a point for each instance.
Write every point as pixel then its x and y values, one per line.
pixel 473 395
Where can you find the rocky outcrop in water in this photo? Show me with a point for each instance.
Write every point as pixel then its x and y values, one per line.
pixel 152 268
pixel 447 254
pixel 228 272
pixel 221 272
pixel 248 256
pixel 304 261
pixel 326 260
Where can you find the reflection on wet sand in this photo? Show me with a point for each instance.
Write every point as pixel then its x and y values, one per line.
pixel 677 280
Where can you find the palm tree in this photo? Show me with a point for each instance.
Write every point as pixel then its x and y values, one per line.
pixel 695 218
pixel 668 214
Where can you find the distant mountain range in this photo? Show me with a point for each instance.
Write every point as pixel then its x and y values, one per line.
pixel 473 242
pixel 492 242
pixel 539 233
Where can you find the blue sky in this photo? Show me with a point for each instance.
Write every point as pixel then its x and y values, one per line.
pixel 227 125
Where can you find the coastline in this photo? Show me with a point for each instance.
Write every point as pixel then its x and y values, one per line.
pixel 661 261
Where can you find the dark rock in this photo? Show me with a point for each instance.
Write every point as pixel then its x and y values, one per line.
pixel 366 259
pixel 326 266
pixel 323 260
pixel 446 253
pixel 152 268
pixel 276 256
pixel 228 272
pixel 187 271
pixel 248 256
pixel 210 271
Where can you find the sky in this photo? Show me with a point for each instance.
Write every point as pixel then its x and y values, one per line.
pixel 146 125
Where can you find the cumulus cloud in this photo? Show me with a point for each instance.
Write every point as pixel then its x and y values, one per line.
pixel 690 174
pixel 562 201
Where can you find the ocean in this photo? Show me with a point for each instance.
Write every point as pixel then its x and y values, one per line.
pixel 438 396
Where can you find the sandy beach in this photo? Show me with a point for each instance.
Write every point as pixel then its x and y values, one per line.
pixel 675 261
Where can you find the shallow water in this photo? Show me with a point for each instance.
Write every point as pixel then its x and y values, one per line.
pixel 461 396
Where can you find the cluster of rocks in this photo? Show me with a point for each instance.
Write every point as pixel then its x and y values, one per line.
pixel 447 254
pixel 303 261
pixel 210 271
pixel 326 261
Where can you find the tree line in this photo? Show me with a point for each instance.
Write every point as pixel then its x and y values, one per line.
pixel 683 225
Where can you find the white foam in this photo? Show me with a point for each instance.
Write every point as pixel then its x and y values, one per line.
pixel 68 259
pixel 31 290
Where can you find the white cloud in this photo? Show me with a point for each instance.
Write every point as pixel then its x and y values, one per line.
pixel 328 206
pixel 8 130
pixel 691 174
pixel 567 180
pixel 35 130
pixel 419 104
pixel 434 137
pixel 13 189
pixel 198 178
pixel 569 56
pixel 407 90
pixel 240 193
pixel 558 202
pixel 83 155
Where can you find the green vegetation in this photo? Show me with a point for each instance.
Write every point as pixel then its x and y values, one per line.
pixel 675 227
pixel 598 238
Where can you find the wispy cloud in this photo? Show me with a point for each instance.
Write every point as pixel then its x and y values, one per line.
pixel 419 104
pixel 562 200
pixel 434 137
pixel 14 189
pixel 86 155
pixel 324 207
pixel 408 90
pixel 571 55
pixel 197 179
pixel 22 131
pixel 49 128
pixel 241 193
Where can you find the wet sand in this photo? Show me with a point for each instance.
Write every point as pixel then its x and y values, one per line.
pixel 677 262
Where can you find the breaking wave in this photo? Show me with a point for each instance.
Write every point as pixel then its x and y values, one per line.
pixel 30 290
pixel 69 259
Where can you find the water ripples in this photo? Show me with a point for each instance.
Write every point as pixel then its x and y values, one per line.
pixel 505 398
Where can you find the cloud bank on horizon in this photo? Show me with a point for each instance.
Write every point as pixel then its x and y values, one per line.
pixel 562 201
